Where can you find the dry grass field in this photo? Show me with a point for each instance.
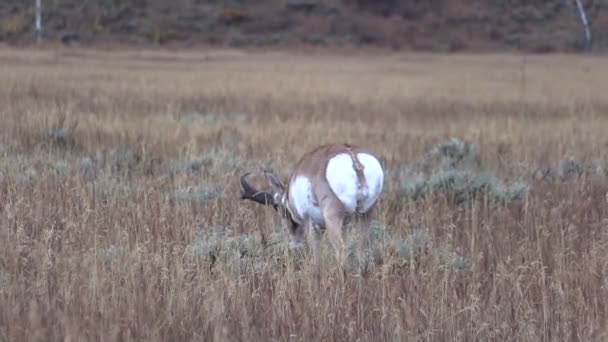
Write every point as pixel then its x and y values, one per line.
pixel 120 216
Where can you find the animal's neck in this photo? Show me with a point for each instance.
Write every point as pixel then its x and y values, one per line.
pixel 287 212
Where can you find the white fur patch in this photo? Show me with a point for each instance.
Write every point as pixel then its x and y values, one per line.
pixel 302 198
pixel 343 181
pixel 374 175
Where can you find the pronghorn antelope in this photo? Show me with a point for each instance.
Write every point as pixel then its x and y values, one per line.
pixel 329 186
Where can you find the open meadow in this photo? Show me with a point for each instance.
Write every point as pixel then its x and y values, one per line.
pixel 121 217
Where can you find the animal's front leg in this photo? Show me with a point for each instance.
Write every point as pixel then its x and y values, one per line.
pixel 296 236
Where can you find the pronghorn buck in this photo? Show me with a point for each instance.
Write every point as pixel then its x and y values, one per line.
pixel 330 186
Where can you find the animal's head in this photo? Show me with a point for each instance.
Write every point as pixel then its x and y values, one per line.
pixel 275 197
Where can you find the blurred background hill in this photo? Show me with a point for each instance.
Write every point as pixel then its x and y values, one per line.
pixel 422 25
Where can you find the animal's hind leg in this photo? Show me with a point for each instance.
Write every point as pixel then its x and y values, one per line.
pixel 363 225
pixel 334 221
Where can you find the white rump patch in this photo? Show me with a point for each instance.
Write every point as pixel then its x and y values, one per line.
pixel 374 175
pixel 343 181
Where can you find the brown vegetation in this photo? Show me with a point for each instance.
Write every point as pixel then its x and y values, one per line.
pixel 422 25
pixel 120 216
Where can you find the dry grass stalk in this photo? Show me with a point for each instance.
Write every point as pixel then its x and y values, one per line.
pixel 113 237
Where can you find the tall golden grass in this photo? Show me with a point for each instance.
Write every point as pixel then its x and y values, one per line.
pixel 95 245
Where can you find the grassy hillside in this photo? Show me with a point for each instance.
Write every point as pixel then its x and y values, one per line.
pixel 120 216
pixel 430 25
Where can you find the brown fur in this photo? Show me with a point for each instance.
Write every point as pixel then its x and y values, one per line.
pixel 313 165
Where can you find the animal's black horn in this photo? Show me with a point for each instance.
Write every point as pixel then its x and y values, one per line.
pixel 251 193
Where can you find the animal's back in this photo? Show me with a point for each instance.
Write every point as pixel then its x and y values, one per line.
pixel 354 175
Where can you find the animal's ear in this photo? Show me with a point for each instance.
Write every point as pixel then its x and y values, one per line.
pixel 274 181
